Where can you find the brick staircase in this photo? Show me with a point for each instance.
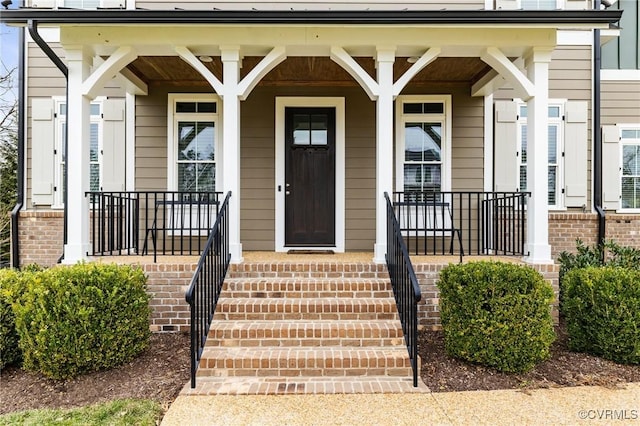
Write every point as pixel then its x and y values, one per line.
pixel 299 328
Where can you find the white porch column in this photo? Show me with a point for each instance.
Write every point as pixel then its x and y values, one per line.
pixel 77 162
pixel 538 158
pixel 231 144
pixel 384 147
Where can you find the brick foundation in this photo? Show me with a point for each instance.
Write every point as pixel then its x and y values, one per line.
pixel 40 236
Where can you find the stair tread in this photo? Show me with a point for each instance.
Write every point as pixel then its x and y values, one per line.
pixel 276 385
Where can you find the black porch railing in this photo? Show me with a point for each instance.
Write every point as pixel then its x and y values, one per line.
pixel 405 285
pixel 151 222
pixel 466 223
pixel 206 284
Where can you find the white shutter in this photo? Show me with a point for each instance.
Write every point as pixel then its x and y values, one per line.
pixel 506 140
pixel 610 167
pixel 42 149
pixel 575 153
pixel 113 145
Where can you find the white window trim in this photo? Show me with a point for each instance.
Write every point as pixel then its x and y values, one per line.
pixel 446 140
pixel 332 102
pixel 621 127
pixel 59 119
pixel 172 139
pixel 560 200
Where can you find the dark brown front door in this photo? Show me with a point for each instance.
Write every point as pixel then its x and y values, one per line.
pixel 310 165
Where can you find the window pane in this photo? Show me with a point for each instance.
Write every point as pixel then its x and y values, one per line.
pixel 553 144
pixel 94 109
pixel 554 112
pixel 422 177
pixel 523 178
pixel 94 179
pixel 552 184
pixel 301 129
pixel 187 177
pixel 207 107
pixel 63 109
pixel 538 4
pixel 185 107
pixel 93 142
pixel 433 108
pixel 631 160
pixel 205 141
pixel 631 192
pixel 423 142
pixel 523 111
pixel 206 177
pixel 412 108
pixel 631 134
pixel 186 140
pixel 319 128
pixel 64 142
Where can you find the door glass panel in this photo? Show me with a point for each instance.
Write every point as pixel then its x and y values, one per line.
pixel 553 144
pixel 319 129
pixel 301 129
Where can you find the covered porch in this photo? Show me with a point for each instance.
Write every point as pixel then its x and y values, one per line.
pixel 382 63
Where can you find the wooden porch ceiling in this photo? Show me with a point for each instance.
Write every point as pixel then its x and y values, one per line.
pixel 320 71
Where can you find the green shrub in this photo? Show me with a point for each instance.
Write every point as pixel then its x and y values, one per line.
pixel 9 288
pixel 609 254
pixel 81 318
pixel 602 311
pixel 496 314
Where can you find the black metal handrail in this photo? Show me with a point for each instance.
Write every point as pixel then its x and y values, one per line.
pixel 151 222
pixel 471 223
pixel 206 284
pixel 405 285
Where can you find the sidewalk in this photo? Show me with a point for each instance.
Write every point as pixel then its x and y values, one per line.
pixel 560 406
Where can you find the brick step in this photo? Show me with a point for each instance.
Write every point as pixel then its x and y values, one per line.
pixel 307 287
pixel 307 270
pixel 305 362
pixel 301 385
pixel 306 334
pixel 305 309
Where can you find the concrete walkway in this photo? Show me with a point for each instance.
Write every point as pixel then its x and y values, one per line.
pixel 561 406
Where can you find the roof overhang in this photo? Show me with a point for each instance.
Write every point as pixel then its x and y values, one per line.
pixel 503 18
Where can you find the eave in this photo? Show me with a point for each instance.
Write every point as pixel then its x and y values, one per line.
pixel 555 18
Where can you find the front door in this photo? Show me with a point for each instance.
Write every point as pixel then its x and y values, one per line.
pixel 310 166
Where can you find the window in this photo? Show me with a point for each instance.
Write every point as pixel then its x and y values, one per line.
pixel 555 132
pixel 193 143
pixel 423 148
pixel 630 167
pixel 540 4
pixel 95 149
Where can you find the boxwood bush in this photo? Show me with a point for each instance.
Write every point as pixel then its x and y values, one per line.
pixel 76 319
pixel 602 312
pixel 9 350
pixel 496 314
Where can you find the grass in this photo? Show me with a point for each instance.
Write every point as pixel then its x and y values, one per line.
pixel 120 412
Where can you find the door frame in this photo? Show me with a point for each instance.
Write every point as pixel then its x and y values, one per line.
pixel 332 102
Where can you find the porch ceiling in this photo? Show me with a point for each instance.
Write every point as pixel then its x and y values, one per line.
pixel 173 71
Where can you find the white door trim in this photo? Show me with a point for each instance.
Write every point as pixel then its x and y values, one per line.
pixel 339 105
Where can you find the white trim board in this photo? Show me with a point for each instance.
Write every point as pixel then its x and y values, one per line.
pixel 339 104
pixel 620 75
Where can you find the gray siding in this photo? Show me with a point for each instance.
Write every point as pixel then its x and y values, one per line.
pixel 45 80
pixel 620 102
pixel 316 5
pixel 624 52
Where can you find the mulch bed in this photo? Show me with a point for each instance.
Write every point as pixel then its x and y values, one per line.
pixel 163 370
pixel 564 368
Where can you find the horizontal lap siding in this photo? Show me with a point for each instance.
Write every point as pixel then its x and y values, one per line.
pixel 620 102
pixel 45 80
pixel 316 5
